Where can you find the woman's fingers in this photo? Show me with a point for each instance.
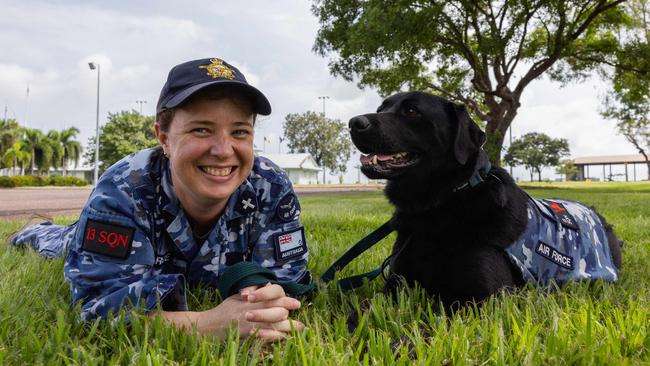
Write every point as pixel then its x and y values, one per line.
pixel 267 315
pixel 266 293
pixel 285 326
pixel 270 335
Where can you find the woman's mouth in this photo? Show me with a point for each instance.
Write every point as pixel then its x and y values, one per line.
pixel 217 172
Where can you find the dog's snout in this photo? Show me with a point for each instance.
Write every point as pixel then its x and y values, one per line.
pixel 359 123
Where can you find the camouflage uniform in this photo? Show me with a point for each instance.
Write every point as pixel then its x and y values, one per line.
pixel 133 242
pixel 563 241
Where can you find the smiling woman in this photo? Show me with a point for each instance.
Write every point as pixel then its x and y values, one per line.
pixel 184 212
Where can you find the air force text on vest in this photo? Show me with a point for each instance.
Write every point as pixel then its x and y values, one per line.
pixel 555 256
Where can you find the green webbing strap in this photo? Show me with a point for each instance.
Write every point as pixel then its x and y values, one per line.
pixel 244 274
pixel 356 250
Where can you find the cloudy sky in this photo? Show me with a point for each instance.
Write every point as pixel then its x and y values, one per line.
pixel 46 46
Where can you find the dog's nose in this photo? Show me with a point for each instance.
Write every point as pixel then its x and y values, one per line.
pixel 359 123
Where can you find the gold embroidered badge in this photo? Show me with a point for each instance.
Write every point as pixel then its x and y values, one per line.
pixel 217 69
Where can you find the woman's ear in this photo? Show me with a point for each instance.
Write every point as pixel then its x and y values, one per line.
pixel 161 136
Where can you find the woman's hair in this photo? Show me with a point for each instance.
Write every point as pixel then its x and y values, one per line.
pixel 238 96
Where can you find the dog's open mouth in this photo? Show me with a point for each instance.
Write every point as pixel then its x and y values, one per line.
pixel 381 162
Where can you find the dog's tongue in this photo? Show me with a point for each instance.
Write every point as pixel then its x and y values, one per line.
pixel 380 157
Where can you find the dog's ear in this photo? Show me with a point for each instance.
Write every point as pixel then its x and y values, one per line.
pixel 469 137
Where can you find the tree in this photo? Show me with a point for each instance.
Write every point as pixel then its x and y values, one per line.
pixel 125 132
pixel 628 101
pixel 71 148
pixel 10 133
pixel 17 155
pixel 40 149
pixel 325 139
pixel 568 169
pixel 480 53
pixel 535 151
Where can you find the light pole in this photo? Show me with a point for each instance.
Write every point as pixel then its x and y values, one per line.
pixel 323 97
pixel 141 102
pixel 280 139
pixel 93 66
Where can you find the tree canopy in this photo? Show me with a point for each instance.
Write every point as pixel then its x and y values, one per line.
pixel 27 147
pixel 125 132
pixel 325 139
pixel 535 151
pixel 480 53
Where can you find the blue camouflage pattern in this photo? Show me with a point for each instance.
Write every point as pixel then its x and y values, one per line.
pixel 565 253
pixel 137 193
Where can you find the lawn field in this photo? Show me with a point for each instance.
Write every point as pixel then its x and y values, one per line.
pixel 580 324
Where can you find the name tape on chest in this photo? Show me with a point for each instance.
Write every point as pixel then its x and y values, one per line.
pixel 554 255
pixel 290 244
pixel 108 239
pixel 287 207
pixel 566 219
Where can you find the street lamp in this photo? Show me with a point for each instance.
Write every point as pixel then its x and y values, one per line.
pixel 141 102
pixel 93 66
pixel 323 97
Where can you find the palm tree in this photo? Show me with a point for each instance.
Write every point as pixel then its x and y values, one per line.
pixel 71 148
pixel 39 149
pixel 53 140
pixel 10 132
pixel 17 155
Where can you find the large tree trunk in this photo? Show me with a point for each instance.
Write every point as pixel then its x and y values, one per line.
pixel 539 175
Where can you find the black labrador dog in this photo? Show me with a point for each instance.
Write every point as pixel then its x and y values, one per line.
pixel 461 223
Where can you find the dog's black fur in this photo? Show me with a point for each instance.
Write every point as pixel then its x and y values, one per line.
pixel 450 239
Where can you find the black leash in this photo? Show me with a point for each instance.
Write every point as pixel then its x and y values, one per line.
pixel 244 274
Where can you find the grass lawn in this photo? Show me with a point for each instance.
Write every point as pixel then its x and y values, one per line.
pixel 604 324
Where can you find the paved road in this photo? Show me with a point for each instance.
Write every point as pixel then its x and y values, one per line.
pixel 19 203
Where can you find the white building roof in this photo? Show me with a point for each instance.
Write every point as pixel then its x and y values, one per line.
pixel 293 161
pixel 609 159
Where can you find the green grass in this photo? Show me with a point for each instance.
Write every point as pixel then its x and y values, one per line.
pixel 581 324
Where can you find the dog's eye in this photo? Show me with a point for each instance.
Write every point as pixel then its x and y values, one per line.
pixel 411 112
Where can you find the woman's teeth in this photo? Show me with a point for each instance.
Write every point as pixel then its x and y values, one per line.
pixel 219 172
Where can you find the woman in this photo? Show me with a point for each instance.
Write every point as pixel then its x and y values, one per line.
pixel 185 211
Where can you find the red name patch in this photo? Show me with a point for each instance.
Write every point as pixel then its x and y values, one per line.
pixel 108 239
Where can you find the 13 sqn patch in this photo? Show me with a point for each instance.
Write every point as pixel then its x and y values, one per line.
pixel 554 255
pixel 566 219
pixel 290 244
pixel 108 239
pixel 287 207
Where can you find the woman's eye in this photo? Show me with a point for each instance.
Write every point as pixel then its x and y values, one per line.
pixel 241 132
pixel 200 131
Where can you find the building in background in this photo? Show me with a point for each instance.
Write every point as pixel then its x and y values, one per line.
pixel 301 168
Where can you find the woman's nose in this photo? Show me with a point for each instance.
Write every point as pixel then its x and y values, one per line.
pixel 221 146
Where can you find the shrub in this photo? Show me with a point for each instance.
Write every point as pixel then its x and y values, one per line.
pixel 39 181
pixel 7 182
pixel 67 181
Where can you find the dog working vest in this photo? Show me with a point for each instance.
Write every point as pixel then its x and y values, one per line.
pixel 563 241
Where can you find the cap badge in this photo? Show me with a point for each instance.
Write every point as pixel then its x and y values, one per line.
pixel 217 69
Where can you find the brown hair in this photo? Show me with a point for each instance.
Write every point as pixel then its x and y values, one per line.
pixel 166 116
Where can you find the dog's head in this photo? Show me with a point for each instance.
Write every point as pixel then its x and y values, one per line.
pixel 415 135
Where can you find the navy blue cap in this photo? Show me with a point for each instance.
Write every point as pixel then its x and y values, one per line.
pixel 189 77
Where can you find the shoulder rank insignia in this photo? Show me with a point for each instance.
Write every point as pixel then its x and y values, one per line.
pixel 218 70
pixel 108 239
pixel 247 203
